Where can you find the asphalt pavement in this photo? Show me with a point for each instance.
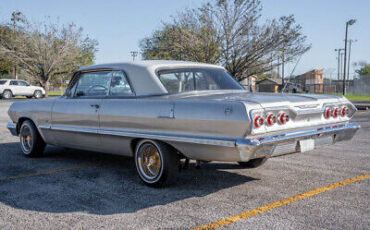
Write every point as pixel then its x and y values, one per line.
pixel 71 189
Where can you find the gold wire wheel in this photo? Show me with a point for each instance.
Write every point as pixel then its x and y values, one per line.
pixel 149 161
pixel 26 139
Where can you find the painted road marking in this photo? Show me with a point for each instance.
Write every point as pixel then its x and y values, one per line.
pixel 49 172
pixel 280 203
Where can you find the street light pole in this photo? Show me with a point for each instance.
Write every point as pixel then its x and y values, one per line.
pixel 339 60
pixel 349 54
pixel 134 54
pixel 350 22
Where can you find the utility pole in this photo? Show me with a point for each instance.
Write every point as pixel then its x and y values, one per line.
pixel 339 66
pixel 349 54
pixel 348 23
pixel 134 54
pixel 16 17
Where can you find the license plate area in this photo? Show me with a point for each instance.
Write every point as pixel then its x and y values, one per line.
pixel 306 145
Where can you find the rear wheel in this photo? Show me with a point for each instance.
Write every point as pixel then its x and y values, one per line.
pixel 32 144
pixel 254 163
pixel 7 94
pixel 157 164
pixel 37 94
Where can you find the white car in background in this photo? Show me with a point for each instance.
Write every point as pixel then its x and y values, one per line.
pixel 11 87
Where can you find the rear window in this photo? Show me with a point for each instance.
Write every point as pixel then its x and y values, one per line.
pixel 183 80
pixel 2 82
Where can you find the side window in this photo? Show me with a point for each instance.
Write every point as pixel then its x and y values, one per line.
pixel 119 85
pixel 177 82
pixel 13 83
pixel 2 82
pixel 204 82
pixel 22 83
pixel 93 84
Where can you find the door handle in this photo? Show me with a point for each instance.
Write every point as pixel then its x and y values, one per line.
pixel 95 106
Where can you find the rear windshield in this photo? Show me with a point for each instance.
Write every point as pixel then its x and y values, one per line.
pixel 183 80
pixel 2 82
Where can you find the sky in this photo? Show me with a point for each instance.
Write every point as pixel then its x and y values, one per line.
pixel 118 26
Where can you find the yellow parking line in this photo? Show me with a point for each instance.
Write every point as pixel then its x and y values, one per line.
pixel 49 172
pixel 280 203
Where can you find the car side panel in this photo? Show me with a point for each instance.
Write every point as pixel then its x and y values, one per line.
pixel 38 111
pixel 121 120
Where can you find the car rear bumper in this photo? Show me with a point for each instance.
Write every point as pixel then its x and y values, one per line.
pixel 12 128
pixel 290 142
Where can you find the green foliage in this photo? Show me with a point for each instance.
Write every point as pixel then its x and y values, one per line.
pixel 45 50
pixel 230 33
pixel 364 70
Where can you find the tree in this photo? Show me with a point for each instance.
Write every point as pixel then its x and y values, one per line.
pixel 240 42
pixel 364 70
pixel 47 50
pixel 191 37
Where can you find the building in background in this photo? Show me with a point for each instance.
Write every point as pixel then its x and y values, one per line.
pixel 249 83
pixel 312 81
pixel 269 85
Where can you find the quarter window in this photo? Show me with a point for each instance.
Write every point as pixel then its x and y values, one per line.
pixel 2 82
pixel 119 85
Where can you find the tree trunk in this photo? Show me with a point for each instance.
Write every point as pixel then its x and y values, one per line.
pixel 45 85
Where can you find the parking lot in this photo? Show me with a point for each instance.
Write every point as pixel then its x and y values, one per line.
pixel 82 190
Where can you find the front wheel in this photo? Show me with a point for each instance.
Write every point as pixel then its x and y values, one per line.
pixel 254 163
pixel 157 164
pixel 32 144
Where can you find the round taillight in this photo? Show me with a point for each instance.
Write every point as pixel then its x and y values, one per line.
pixel 344 112
pixel 258 121
pixel 271 119
pixel 283 118
pixel 327 113
pixel 335 112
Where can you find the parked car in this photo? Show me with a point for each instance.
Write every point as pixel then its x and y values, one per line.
pixel 160 112
pixel 10 88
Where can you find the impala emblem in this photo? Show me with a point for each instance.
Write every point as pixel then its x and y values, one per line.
pixel 307 106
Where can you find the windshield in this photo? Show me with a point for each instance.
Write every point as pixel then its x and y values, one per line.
pixel 183 80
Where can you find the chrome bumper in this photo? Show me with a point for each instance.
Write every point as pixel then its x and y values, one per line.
pixel 288 142
pixel 12 128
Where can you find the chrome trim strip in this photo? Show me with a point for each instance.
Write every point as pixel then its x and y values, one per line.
pixel 74 129
pixel 251 142
pixel 171 137
pixel 150 135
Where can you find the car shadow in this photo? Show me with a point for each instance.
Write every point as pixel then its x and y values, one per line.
pixel 111 187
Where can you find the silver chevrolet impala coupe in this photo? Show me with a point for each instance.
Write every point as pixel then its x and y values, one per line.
pixel 160 112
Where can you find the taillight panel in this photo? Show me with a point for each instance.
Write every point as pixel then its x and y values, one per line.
pixel 338 111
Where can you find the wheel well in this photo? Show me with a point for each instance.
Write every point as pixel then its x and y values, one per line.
pixel 8 90
pixel 135 141
pixel 20 122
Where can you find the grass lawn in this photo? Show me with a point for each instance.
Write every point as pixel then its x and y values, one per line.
pixel 54 93
pixel 357 97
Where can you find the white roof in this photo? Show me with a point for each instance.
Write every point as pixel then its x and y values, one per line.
pixel 143 76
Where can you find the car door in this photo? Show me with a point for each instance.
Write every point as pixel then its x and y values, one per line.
pixel 75 116
pixel 25 88
pixel 15 87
